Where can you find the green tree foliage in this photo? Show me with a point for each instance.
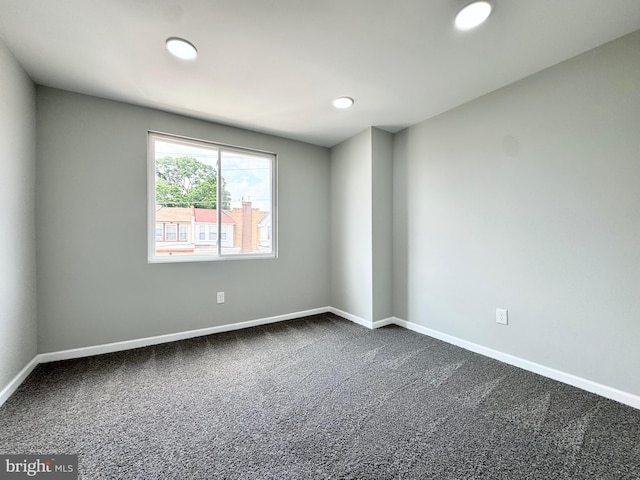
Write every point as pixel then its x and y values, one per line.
pixel 186 182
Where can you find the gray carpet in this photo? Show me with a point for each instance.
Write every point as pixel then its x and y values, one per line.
pixel 317 397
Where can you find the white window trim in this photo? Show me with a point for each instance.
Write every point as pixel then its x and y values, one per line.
pixel 151 199
pixel 184 230
pixel 166 232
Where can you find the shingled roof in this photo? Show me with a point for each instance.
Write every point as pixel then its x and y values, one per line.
pixel 183 215
pixel 207 215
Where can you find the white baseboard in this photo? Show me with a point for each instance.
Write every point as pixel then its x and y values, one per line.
pixel 171 337
pixel 384 322
pixel 143 342
pixel 18 379
pixel 361 321
pixel 353 318
pixel 588 385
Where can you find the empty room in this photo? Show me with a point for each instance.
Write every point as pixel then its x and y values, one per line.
pixel 329 239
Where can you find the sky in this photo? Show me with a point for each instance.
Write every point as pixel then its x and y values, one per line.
pixel 247 175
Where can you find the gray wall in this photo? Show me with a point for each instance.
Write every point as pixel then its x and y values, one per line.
pixel 529 199
pixel 400 227
pixel 351 228
pixel 381 219
pixel 361 237
pixel 17 236
pixel 95 285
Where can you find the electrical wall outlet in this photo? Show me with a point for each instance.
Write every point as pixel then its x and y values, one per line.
pixel 502 316
pixel 220 297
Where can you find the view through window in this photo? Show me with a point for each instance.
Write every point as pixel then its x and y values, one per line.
pixel 209 201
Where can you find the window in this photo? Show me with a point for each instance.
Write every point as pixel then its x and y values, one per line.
pixel 183 232
pixel 213 191
pixel 170 232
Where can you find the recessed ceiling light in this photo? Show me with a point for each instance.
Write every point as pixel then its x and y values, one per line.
pixel 181 48
pixel 473 15
pixel 343 102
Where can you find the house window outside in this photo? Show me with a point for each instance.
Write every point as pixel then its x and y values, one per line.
pixel 217 191
pixel 171 232
pixel 183 227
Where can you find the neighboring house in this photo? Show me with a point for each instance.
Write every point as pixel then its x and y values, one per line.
pixel 247 234
pixel 187 230
pixel 184 230
pixel 264 227
pixel 206 228
pixel 174 229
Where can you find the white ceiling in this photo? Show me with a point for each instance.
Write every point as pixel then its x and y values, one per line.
pixel 275 65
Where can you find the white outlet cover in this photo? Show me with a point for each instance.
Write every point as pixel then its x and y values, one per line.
pixel 502 316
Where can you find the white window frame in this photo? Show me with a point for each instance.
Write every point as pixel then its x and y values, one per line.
pixel 183 228
pixel 212 233
pixel 174 226
pixel 151 198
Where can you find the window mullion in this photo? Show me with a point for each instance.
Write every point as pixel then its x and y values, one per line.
pixel 218 202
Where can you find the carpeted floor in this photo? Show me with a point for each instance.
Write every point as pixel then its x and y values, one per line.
pixel 316 398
